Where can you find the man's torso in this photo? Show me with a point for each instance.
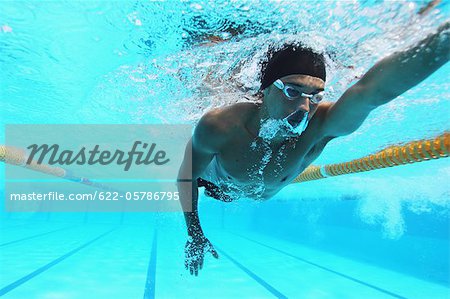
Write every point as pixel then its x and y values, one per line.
pixel 257 168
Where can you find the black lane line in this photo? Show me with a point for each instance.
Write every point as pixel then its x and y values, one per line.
pixel 24 279
pixel 261 281
pixel 35 236
pixel 325 268
pixel 150 281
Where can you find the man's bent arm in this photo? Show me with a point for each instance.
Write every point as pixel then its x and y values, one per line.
pixel 386 80
pixel 201 149
pixel 189 196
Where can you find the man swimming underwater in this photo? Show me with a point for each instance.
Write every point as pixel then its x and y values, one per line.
pixel 255 149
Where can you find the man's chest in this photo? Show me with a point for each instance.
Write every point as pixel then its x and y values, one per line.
pixel 254 160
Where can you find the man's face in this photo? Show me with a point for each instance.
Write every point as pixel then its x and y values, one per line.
pixel 294 110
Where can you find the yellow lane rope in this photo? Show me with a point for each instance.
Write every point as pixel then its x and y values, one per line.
pixel 412 152
pixel 17 156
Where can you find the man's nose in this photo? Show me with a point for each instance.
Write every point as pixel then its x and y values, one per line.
pixel 303 104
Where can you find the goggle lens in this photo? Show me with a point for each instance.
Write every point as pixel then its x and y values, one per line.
pixel 317 98
pixel 292 92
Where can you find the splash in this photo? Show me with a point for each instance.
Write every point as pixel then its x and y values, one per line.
pixel 227 68
pixel 383 205
pixel 386 211
pixel 271 128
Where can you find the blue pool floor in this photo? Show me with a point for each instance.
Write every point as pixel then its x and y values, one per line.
pixel 61 260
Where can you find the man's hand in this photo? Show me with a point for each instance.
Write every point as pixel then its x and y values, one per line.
pixel 195 250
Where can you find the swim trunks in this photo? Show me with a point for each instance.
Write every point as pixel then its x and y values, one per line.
pixel 213 191
pixel 211 179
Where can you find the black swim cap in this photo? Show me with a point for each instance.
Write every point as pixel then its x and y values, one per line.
pixel 292 59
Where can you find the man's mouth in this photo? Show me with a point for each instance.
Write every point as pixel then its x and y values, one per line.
pixel 297 122
pixel 296 118
pixel 292 125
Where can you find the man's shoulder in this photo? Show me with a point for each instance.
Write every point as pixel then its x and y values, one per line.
pixel 220 126
pixel 318 120
pixel 320 114
pixel 225 120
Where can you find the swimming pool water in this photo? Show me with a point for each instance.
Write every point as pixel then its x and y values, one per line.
pixel 383 234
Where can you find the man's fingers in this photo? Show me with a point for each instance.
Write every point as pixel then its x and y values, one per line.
pixel 196 269
pixel 187 262
pixel 194 258
pixel 211 249
pixel 214 253
pixel 195 266
pixel 200 263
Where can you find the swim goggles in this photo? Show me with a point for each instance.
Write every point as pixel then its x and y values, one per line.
pixel 292 93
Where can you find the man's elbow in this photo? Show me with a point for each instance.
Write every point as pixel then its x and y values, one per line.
pixel 375 96
pixel 344 130
pixel 184 172
pixel 383 97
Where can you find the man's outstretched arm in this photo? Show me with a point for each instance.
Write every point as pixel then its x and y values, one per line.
pixel 386 80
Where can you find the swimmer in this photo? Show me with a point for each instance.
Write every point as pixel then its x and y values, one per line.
pixel 235 149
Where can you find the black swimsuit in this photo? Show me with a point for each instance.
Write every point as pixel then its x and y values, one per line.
pixel 212 190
